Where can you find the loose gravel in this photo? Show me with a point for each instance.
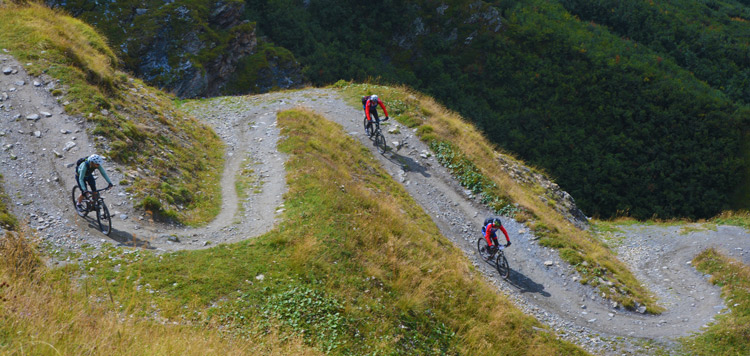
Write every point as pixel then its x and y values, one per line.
pixel 40 143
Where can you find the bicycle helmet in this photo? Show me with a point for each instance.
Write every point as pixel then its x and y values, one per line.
pixel 374 98
pixel 96 159
pixel 496 222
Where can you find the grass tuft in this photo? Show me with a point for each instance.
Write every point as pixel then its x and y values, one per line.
pixel 729 334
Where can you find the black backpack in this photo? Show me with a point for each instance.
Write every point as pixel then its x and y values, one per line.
pixel 365 99
pixel 78 164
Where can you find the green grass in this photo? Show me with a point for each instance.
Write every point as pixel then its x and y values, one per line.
pixel 8 221
pixel 471 159
pixel 734 218
pixel 175 162
pixel 730 333
pixel 333 273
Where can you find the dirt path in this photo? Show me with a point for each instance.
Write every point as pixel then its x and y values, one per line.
pixel 40 180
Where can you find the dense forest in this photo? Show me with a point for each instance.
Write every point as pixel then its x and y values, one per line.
pixel 636 108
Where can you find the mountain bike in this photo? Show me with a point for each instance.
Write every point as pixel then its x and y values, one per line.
pixel 93 202
pixel 377 133
pixel 498 256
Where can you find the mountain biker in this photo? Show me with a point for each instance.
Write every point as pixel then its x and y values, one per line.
pixel 370 105
pixel 489 229
pixel 85 174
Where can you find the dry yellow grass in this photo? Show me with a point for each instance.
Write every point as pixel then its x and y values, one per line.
pixel 443 125
pixel 44 315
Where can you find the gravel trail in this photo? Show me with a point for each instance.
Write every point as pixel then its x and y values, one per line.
pixel 36 162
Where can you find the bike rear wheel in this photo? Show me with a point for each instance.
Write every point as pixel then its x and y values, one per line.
pixel 501 263
pixel 483 249
pixel 74 195
pixel 380 142
pixel 103 218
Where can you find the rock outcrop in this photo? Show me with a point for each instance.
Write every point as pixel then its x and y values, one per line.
pixel 551 194
pixel 187 50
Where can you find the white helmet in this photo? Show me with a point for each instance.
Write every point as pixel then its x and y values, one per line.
pixel 96 159
pixel 374 98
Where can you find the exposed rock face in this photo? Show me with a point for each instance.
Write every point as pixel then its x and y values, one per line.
pixel 180 47
pixel 553 195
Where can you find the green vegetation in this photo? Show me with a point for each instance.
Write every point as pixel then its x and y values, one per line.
pixel 736 218
pixel 636 108
pixel 644 128
pixel 181 43
pixel 174 160
pixel 329 279
pixel 472 159
pixel 8 221
pixel 729 334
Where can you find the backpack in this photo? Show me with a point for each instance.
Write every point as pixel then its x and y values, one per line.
pixel 78 164
pixel 365 99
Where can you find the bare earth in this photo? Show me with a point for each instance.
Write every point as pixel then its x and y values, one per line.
pixel 40 181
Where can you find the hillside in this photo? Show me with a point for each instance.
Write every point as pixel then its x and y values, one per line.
pixel 636 109
pixel 170 162
pixel 320 244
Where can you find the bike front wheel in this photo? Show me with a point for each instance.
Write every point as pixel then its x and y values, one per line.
pixel 380 143
pixel 368 128
pixel 74 195
pixel 103 218
pixel 501 263
pixel 483 249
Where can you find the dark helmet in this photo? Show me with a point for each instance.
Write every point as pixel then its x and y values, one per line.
pixel 496 222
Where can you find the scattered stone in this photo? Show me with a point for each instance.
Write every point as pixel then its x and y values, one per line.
pixel 37 83
pixel 64 132
pixel 45 113
pixel 173 238
pixel 642 309
pixel 69 145
pixel 548 263
pixel 260 277
pixel 32 117
pixel 37 134
pixel 20 83
pixel 124 216
pixel 206 243
pixel 7 70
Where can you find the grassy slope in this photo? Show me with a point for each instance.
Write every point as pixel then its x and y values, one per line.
pixel 172 160
pixel 729 335
pixel 436 124
pixel 333 273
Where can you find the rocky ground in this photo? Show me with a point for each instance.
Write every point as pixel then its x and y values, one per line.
pixel 40 143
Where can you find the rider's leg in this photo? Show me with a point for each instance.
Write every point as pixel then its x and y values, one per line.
pixel 91 182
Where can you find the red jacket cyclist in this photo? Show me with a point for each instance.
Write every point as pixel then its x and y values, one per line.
pixel 371 109
pixel 489 229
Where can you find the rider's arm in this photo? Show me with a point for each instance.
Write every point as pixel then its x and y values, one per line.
pixel 507 238
pixel 380 102
pixel 104 174
pixel 367 109
pixel 488 234
pixel 81 173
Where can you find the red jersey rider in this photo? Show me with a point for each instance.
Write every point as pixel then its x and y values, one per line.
pixel 489 229
pixel 371 109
